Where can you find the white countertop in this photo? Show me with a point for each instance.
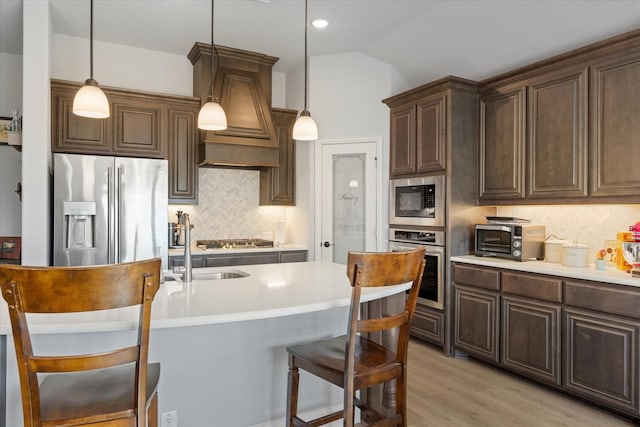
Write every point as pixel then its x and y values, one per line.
pixel 198 251
pixel 608 275
pixel 270 290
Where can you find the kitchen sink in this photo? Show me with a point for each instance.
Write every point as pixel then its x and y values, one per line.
pixel 212 275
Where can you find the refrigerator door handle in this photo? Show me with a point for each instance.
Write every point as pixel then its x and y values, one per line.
pixel 110 217
pixel 118 221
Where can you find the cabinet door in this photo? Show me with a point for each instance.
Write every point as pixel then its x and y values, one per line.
pixel 477 320
pixel 431 134
pixel 277 185
pixel 601 358
pixel 557 144
pixel 530 339
pixel 428 324
pixel 615 128
pixel 138 126
pixel 403 140
pixel 181 138
pixel 293 256
pixel 242 259
pixel 71 133
pixel 502 138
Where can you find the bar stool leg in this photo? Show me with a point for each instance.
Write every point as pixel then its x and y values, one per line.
pixel 292 391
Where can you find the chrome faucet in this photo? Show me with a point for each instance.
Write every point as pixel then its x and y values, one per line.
pixel 186 277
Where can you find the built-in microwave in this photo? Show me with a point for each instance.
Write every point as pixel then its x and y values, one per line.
pixel 417 201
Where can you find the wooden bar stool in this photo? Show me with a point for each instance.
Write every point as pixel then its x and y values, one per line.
pixel 352 361
pixel 114 388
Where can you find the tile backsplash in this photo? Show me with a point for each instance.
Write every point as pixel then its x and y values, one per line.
pixel 586 224
pixel 229 206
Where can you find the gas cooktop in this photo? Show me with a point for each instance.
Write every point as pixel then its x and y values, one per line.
pixel 234 244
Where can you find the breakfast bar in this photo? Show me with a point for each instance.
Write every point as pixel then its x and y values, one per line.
pixel 221 343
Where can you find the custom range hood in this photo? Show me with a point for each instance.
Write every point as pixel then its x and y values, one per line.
pixel 243 87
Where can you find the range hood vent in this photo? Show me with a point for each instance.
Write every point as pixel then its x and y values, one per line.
pixel 243 87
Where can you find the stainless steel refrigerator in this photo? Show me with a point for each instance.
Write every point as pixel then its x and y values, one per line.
pixel 109 210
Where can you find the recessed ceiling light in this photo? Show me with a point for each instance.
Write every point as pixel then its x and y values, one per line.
pixel 320 23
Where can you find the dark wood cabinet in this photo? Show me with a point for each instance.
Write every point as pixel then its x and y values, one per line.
pixel 557 135
pixel 576 116
pixel 135 128
pixel 601 358
pixel 502 144
pixel 530 338
pixel 277 184
pixel 75 134
pixel 235 259
pixel 428 324
pixel 615 107
pixel 424 123
pixel 477 321
pixel 181 152
pixel 403 140
pixel 293 256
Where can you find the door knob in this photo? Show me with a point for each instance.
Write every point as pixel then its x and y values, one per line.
pixel 326 244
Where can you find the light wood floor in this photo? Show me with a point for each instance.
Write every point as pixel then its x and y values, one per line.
pixel 444 391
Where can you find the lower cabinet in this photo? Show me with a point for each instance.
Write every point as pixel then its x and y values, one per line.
pixel 530 338
pixel 227 260
pixel 601 358
pixel 477 317
pixel 580 336
pixel 428 324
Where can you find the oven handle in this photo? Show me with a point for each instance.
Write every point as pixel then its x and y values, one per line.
pixel 493 227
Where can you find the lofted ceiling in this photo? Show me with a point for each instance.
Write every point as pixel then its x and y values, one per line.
pixel 422 39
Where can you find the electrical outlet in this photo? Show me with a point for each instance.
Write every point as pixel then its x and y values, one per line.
pixel 169 419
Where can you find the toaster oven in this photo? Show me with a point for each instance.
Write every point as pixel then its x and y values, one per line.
pixel 518 242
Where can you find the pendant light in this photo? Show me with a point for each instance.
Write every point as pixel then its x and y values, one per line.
pixel 211 115
pixel 90 101
pixel 305 128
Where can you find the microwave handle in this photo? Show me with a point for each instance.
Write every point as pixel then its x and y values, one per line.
pixel 493 227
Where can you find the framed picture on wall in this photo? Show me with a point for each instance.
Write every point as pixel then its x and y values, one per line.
pixel 4 134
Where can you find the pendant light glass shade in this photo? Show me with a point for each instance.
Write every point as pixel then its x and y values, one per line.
pixel 305 128
pixel 212 116
pixel 90 101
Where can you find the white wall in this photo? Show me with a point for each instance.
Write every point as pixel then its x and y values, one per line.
pixel 10 159
pixel 36 135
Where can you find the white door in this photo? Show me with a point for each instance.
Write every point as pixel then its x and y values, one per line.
pixel 348 193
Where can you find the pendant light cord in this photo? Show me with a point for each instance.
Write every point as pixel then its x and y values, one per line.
pixel 91 43
pixel 306 60
pixel 213 50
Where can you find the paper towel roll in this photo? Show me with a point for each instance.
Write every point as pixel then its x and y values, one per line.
pixel 278 233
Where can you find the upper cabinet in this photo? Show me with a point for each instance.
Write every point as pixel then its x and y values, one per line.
pixel 277 185
pixel 615 125
pixel 419 133
pixel 141 124
pixel 562 130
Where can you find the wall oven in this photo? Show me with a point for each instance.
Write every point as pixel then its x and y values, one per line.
pixel 417 201
pixel 431 291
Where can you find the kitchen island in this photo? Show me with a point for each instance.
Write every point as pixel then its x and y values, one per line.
pixel 221 343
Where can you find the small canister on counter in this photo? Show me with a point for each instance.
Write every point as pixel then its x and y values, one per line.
pixel 575 255
pixel 553 250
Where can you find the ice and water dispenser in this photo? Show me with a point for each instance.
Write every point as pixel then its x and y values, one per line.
pixel 80 224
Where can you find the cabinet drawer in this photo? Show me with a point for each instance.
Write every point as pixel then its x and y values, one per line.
pixel 479 277
pixel 533 286
pixel 620 300
pixel 428 325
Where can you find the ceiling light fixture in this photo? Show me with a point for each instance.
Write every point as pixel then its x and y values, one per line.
pixel 305 128
pixel 211 115
pixel 90 101
pixel 320 23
